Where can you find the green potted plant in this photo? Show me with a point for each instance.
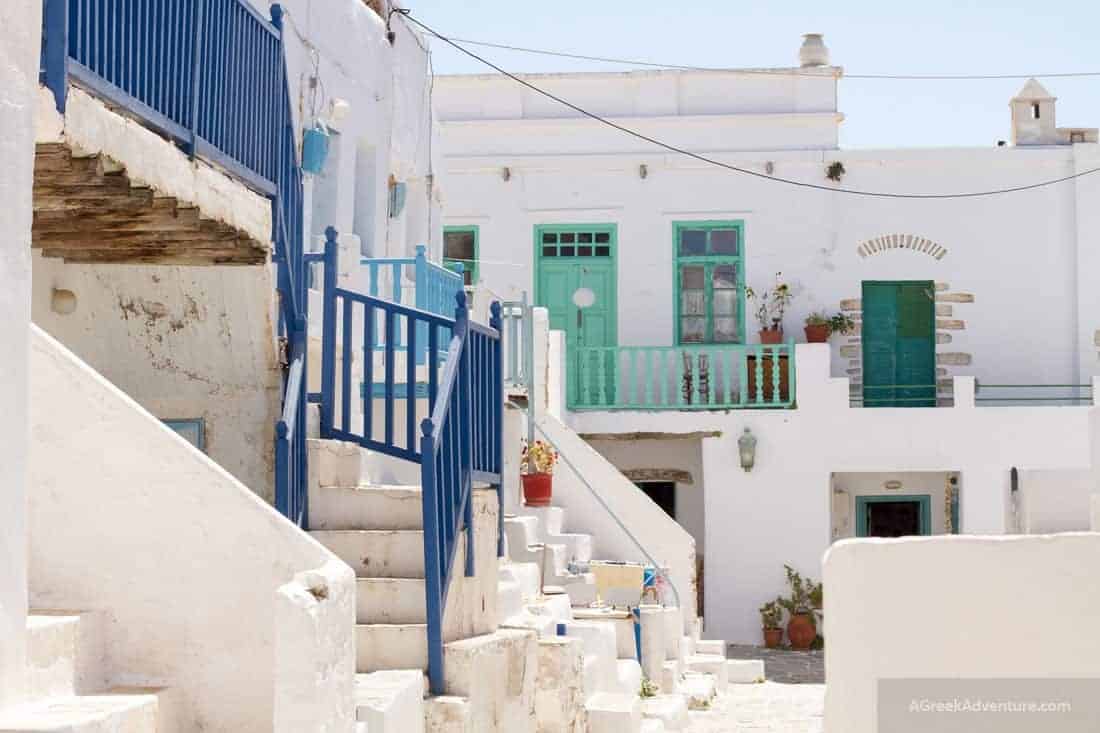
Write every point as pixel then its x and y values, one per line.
pixel 802 625
pixel 537 473
pixel 819 327
pixel 771 618
pixel 769 308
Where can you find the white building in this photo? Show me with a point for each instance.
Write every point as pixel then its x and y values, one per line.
pixel 664 369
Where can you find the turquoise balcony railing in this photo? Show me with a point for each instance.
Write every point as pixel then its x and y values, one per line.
pixel 704 377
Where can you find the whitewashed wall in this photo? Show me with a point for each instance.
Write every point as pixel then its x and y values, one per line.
pixel 177 554
pixel 955 608
pixel 19 48
pixel 779 513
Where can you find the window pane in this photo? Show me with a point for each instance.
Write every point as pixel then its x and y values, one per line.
pixel 568 251
pixel 724 276
pixel 549 251
pixel 693 242
pixel 693 303
pixel 584 251
pixel 725 302
pixel 568 238
pixel 603 237
pixel 725 330
pixel 693 329
pixel 459 246
pixel 585 238
pixel 549 238
pixel 693 277
pixel 723 242
pixel 603 251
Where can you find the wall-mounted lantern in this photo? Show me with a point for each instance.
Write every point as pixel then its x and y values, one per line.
pixel 746 446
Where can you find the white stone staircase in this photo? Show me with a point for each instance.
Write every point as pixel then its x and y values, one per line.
pixel 65 687
pixel 689 671
pixel 378 531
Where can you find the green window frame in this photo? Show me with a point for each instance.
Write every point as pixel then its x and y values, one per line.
pixel 709 281
pixel 469 265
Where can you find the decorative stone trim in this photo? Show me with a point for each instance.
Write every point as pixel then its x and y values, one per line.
pixel 901 241
pixel 944 310
pixel 950 325
pixel 954 298
pixel 658 474
pixel 953 359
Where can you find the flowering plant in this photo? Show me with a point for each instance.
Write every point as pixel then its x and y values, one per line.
pixel 771 305
pixel 538 457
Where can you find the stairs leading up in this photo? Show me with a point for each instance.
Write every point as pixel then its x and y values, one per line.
pixel 65 687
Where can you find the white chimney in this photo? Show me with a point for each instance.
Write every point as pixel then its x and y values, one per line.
pixel 813 51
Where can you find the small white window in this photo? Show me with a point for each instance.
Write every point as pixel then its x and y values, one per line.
pixel 1035 111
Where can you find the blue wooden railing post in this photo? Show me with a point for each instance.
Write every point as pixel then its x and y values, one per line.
pixel 465 426
pixel 328 338
pixel 55 50
pixel 423 298
pixel 496 406
pixel 434 572
pixel 196 76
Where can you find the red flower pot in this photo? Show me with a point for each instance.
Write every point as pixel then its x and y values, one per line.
pixel 773 638
pixel 538 488
pixel 771 336
pixel 817 333
pixel 802 631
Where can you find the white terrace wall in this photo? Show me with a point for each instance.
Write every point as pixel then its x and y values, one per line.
pixel 955 608
pixel 779 513
pixel 20 33
pixel 206 588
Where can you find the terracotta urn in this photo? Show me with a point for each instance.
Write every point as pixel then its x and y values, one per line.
pixel 801 631
pixel 773 638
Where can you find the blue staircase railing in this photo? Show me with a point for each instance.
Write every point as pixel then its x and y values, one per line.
pixel 460 415
pixel 210 75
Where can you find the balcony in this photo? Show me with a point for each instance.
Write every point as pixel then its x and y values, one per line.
pixel 704 377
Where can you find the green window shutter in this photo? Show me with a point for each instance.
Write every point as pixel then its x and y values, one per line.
pixel 709 286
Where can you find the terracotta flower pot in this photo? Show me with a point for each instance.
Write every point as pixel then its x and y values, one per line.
pixel 771 336
pixel 801 631
pixel 817 333
pixel 773 638
pixel 538 488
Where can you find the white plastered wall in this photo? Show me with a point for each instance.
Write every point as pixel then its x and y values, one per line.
pixel 206 588
pixel 945 607
pixel 20 34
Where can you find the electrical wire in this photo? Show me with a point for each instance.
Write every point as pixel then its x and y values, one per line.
pixel 745 171
pixel 774 72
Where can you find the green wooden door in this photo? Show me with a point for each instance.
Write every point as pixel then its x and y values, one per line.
pixel 899 347
pixel 568 258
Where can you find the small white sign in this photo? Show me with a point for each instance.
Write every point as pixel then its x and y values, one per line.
pixel 584 298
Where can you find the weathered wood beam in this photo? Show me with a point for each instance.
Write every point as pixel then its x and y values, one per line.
pixel 632 437
pixel 658 474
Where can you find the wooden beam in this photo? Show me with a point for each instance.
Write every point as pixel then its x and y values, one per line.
pixel 633 437
pixel 658 474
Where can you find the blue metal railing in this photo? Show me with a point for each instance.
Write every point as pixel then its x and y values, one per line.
pixel 460 413
pixel 210 75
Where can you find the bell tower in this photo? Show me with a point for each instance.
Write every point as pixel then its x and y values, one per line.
pixel 1033 116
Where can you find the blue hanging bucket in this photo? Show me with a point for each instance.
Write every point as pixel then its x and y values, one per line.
pixel 315 148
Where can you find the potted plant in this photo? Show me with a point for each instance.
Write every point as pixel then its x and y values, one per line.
pixel 770 307
pixel 771 617
pixel 802 626
pixel 537 473
pixel 820 327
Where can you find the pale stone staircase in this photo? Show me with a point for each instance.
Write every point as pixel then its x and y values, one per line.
pixel 378 531
pixel 66 691
pixel 689 671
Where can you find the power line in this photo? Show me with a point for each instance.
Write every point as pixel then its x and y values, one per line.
pixel 774 72
pixel 736 169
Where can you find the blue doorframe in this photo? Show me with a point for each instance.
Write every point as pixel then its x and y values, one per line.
pixel 924 500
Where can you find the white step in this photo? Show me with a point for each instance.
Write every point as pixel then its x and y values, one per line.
pixel 390 601
pixel 710 646
pixel 334 463
pixel 699 691
pixel 711 664
pixel 377 553
pixel 526 574
pixel 391 701
pixel 366 507
pixel 51 655
pixel 671 674
pixel 447 714
pixel 745 671
pixel 122 711
pixel 391 646
pixel 671 710
pixel 549 530
pixel 559 689
pixel 621 621
pixel 496 672
pixel 652 725
pixel 629 675
pixel 614 713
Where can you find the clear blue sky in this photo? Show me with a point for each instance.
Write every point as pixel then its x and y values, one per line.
pixel 870 37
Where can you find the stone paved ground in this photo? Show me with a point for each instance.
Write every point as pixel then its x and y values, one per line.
pixel 769 707
pixel 785 665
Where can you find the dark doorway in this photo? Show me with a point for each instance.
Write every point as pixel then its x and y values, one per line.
pixel 895 516
pixel 663 493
